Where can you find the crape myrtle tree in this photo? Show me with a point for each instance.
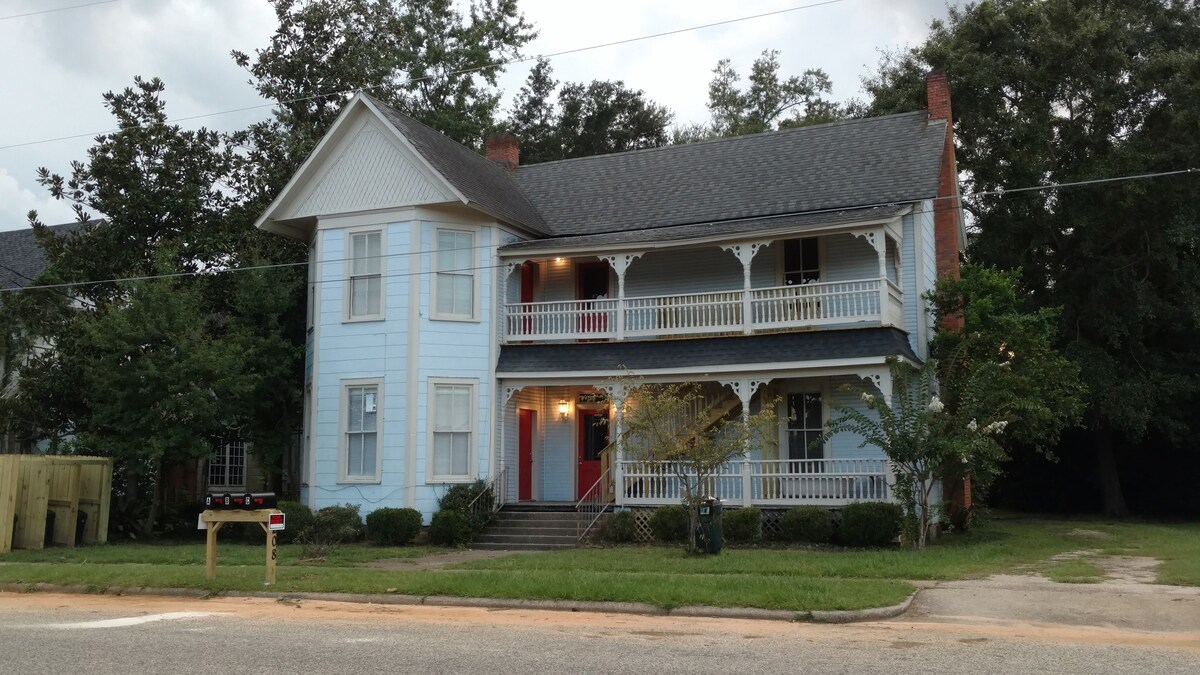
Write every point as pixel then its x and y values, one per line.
pixel 1063 91
pixel 582 120
pixel 671 423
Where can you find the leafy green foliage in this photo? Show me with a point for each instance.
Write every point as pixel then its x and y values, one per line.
pixel 618 528
pixel 1062 91
pixel 870 524
pixel 297 519
pixel 451 527
pixel 588 119
pixel 742 526
pixel 392 526
pixel 460 496
pixel 768 102
pixel 669 524
pixel 809 524
pixel 340 524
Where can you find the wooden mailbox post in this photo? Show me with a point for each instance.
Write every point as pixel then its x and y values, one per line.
pixel 271 520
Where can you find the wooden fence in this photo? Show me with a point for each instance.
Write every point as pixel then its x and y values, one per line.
pixel 32 487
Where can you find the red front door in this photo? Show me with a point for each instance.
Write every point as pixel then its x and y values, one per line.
pixel 525 454
pixel 593 438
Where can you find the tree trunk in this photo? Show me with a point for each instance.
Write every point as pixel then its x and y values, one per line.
pixel 155 499
pixel 1110 476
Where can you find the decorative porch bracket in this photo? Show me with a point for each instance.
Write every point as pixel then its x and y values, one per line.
pixel 877 238
pixel 620 262
pixel 745 252
pixel 882 381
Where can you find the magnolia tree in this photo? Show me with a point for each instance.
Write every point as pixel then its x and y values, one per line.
pixel 925 441
pixel 674 424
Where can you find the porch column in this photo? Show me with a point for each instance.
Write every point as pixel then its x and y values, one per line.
pixel 877 238
pixel 502 293
pixel 502 463
pixel 617 393
pixel 620 263
pixel 745 389
pixel 745 253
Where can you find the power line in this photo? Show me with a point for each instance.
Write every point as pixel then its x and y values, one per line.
pixel 58 9
pixel 1030 188
pixel 462 71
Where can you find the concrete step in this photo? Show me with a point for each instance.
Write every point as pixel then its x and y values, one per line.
pixel 563 531
pixel 489 546
pixel 533 515
pixel 492 538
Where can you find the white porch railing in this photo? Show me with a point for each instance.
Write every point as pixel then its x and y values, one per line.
pixel 781 307
pixel 778 482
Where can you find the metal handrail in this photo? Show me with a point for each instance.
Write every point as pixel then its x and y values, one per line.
pixel 490 486
pixel 593 501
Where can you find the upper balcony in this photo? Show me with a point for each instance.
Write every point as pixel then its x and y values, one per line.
pixel 845 278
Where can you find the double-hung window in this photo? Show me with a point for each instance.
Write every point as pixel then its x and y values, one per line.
pixel 361 401
pixel 453 404
pixel 365 284
pixel 801 261
pixel 805 424
pixel 455 279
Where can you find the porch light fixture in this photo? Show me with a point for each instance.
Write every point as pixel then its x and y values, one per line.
pixel 563 408
pixel 558 260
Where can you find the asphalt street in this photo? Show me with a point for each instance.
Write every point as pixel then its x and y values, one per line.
pixel 49 633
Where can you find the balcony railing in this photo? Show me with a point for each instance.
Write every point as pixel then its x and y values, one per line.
pixel 777 482
pixel 781 307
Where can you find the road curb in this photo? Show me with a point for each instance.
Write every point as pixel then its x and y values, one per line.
pixel 640 608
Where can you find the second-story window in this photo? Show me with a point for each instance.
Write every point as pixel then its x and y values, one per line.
pixel 365 293
pixel 454 291
pixel 801 261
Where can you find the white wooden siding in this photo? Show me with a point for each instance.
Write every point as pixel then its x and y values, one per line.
pixel 848 258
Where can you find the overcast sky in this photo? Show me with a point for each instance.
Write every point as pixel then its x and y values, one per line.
pixel 57 64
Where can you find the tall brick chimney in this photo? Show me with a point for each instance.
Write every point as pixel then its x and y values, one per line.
pixel 503 149
pixel 946 208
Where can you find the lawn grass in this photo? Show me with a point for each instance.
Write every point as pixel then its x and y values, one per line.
pixel 795 579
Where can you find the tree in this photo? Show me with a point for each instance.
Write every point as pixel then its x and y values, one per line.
pixel 1077 90
pixel 599 118
pixel 425 58
pixel 662 424
pixel 153 371
pixel 767 104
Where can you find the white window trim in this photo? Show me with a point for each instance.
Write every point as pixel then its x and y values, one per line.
pixel 821 388
pixel 349 249
pixel 343 427
pixel 476 236
pixel 245 467
pixel 431 423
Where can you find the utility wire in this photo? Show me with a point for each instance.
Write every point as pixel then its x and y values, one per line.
pixel 1003 191
pixel 57 9
pixel 462 71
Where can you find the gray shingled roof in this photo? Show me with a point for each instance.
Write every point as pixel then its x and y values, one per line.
pixel 719 351
pixel 478 179
pixel 21 259
pixel 685 232
pixel 845 164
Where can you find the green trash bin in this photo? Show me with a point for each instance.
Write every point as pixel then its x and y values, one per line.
pixel 708 536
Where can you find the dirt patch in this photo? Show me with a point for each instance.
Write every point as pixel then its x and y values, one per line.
pixel 1128 568
pixel 437 562
pixel 1087 534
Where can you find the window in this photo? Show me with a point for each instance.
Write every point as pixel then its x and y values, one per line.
pixel 801 261
pixel 453 406
pixel 365 286
pixel 805 423
pixel 227 468
pixel 454 284
pixel 361 403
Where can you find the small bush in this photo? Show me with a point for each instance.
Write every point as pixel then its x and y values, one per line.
pixel 811 524
pixel 871 523
pixel 669 523
pixel 618 528
pixel 450 527
pixel 742 526
pixel 393 527
pixel 338 524
pixel 459 498
pixel 297 519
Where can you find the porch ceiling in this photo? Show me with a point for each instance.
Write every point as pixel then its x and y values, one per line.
pixel 769 350
pixel 679 234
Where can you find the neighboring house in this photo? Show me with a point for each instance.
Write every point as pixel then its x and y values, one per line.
pixel 232 468
pixel 466 313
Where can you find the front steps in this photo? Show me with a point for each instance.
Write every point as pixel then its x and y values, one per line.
pixel 530 527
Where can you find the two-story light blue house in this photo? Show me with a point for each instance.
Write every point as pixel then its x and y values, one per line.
pixel 466 313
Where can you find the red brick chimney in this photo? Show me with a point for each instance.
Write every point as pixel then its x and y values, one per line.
pixel 946 208
pixel 503 149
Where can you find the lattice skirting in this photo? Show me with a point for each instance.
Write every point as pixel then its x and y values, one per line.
pixel 771 524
